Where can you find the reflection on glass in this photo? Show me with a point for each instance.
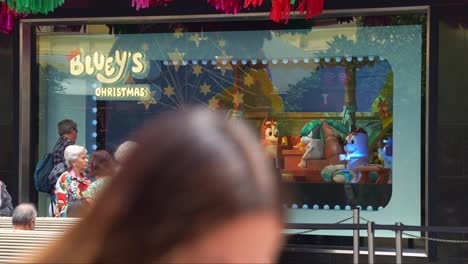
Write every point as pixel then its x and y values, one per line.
pixel 322 100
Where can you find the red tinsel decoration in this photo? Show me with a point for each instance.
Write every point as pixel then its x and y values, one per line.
pixel 254 3
pixel 7 18
pixel 138 4
pixel 281 9
pixel 227 6
pixel 158 2
pixel 311 8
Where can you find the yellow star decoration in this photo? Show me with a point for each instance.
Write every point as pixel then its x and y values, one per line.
pixel 178 32
pixel 169 90
pixel 197 39
pixel 197 69
pixel 205 88
pixel 213 103
pixel 178 57
pixel 237 99
pixel 248 80
pixel 223 67
pixel 145 46
pixel 221 43
pixel 149 100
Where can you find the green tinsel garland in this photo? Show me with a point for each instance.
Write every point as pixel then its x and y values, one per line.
pixel 33 6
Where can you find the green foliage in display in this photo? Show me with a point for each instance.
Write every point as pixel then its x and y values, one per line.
pixel 293 99
pixel 386 94
pixel 54 77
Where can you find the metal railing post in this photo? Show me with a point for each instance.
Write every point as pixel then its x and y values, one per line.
pixel 398 244
pixel 370 242
pixel 356 237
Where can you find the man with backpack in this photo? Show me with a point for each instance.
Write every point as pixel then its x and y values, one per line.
pixel 68 133
pixel 52 165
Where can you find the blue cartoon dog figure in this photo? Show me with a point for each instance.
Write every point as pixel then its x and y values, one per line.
pixel 357 154
pixel 386 155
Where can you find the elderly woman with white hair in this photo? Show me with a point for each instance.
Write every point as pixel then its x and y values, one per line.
pixel 73 182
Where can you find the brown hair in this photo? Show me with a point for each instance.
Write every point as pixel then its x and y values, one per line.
pixel 102 163
pixel 191 171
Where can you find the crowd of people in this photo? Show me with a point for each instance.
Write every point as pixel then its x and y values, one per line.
pixel 76 180
pixel 191 186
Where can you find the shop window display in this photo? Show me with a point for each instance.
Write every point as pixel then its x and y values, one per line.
pixel 325 101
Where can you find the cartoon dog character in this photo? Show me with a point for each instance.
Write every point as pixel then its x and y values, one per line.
pixel 269 134
pixel 386 155
pixel 357 152
pixel 314 149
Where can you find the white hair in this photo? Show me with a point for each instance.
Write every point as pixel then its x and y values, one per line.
pixel 124 150
pixel 24 214
pixel 72 153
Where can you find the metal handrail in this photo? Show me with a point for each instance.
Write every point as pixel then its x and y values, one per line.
pixel 401 227
pixel 398 228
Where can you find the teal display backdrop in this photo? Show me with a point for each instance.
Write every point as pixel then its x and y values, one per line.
pixel 401 46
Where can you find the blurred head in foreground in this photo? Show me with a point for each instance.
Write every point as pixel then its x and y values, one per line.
pixel 197 188
pixel 124 150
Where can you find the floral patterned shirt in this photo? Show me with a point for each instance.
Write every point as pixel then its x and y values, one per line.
pixel 95 188
pixel 69 187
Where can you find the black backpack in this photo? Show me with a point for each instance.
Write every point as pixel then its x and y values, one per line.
pixel 46 174
pixel 42 171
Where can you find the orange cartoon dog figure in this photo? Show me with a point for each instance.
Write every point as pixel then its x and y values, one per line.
pixel 269 134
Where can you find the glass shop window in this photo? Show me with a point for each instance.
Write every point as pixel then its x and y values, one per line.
pixel 328 99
